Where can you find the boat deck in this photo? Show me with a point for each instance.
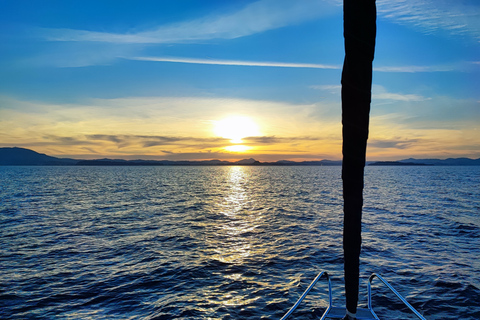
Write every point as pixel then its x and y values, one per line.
pixel 339 313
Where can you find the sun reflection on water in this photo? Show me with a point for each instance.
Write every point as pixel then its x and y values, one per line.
pixel 236 240
pixel 236 196
pixel 235 233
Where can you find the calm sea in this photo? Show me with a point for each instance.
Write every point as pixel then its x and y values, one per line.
pixel 231 242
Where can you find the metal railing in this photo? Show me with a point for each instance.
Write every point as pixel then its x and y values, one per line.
pixel 389 286
pixel 292 309
pixel 336 312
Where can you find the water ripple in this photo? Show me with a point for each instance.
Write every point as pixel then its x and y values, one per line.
pixel 230 242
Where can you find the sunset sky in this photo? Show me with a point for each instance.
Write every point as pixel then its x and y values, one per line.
pixel 205 79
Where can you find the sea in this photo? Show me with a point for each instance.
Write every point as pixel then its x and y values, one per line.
pixel 232 242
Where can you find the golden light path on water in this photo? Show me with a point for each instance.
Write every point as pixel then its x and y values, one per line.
pixel 235 241
pixel 244 242
pixel 233 206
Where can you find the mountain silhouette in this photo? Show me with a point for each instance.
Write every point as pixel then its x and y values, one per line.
pixel 26 157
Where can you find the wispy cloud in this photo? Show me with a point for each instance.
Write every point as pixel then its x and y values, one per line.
pixel 380 93
pixel 428 16
pixel 276 140
pixel 397 69
pixel 461 66
pixel 414 69
pixel 398 97
pixel 76 54
pixel 237 62
pixel 392 143
pixel 65 141
pixel 81 48
pixel 146 141
pixel 102 48
pixel 330 88
pixel 158 125
pixel 431 16
pixel 256 17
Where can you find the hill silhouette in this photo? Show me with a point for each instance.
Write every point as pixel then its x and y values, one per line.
pixel 25 157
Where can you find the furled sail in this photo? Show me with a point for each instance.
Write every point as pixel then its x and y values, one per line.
pixel 359 32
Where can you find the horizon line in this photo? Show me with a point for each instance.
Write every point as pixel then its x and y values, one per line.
pixel 232 161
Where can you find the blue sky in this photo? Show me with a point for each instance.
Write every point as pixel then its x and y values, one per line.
pixel 155 79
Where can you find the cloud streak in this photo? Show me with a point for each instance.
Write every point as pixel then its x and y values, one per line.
pixel 105 47
pixel 378 93
pixel 254 18
pixel 431 16
pixel 237 62
pixel 81 48
pixel 277 140
pixel 393 143
pixel 152 141
pixel 428 16
pixel 395 69
pixel 415 69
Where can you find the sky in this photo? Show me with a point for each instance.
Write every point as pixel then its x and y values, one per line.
pixel 230 80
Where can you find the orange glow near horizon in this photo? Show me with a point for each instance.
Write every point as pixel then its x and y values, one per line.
pixel 237 148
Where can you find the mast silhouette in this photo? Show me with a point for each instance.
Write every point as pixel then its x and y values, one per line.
pixel 359 19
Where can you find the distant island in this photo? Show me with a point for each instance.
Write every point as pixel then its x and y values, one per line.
pixel 398 163
pixel 25 157
pixel 429 162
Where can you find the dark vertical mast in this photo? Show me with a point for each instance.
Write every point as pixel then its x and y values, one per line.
pixel 359 18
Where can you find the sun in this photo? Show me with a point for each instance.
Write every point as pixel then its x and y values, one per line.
pixel 236 128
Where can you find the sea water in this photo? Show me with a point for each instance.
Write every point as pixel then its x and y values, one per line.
pixel 233 242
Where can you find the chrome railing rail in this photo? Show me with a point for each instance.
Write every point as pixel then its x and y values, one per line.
pixel 338 313
pixel 292 309
pixel 391 289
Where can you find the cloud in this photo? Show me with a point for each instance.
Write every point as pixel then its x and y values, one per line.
pixel 458 18
pixel 254 18
pixel 380 93
pixel 414 69
pixel 51 140
pixel 65 141
pixel 103 48
pixel 106 137
pixel 146 141
pixel 277 140
pixel 431 16
pixel 398 97
pixel 73 48
pixel 152 141
pixel 393 143
pixel 461 66
pixel 82 48
pixel 333 89
pixel 464 66
pixel 155 126
pixel 237 62
pixel 74 55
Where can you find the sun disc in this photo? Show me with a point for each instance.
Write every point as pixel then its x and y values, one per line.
pixel 236 128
